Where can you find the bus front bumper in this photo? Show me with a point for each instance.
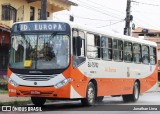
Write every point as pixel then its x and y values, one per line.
pixel 47 92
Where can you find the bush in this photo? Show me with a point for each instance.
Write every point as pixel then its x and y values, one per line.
pixel 3 83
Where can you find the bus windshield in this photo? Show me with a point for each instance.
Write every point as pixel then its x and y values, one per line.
pixel 37 51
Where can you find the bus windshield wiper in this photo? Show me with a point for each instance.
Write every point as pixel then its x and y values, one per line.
pixel 53 34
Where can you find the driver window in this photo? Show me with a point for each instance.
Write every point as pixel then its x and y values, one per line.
pixel 78 58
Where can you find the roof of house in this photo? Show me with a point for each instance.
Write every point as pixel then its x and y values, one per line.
pixel 139 30
pixel 69 2
pixel 65 1
pixel 4 27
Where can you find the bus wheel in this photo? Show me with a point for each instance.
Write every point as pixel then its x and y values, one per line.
pixel 133 97
pixel 90 95
pixel 99 99
pixel 38 101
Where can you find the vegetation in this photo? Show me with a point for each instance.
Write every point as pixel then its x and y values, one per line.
pixel 3 85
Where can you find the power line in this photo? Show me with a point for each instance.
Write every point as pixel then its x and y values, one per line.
pixel 144 21
pixel 96 9
pixel 92 19
pixel 145 3
pixel 144 12
pixel 101 20
pixel 90 7
pixel 111 24
pixel 105 6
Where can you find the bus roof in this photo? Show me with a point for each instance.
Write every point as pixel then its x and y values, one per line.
pixel 99 31
pixel 112 34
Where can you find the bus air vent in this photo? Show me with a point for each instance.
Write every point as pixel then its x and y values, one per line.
pixel 36 77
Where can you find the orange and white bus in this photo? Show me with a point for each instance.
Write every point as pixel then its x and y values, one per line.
pixel 60 60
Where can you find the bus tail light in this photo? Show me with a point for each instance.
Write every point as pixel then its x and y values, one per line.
pixel 62 83
pixel 12 82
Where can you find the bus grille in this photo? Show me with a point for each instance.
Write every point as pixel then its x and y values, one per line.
pixel 36 77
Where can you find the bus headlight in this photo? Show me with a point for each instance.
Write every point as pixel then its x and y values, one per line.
pixel 12 82
pixel 62 83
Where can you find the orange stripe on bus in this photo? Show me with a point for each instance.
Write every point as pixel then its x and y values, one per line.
pixel 112 86
pixel 9 72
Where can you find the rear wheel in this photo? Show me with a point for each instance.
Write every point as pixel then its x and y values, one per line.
pixel 90 95
pixel 38 101
pixel 134 96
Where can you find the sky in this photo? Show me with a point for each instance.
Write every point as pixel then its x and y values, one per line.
pixel 110 14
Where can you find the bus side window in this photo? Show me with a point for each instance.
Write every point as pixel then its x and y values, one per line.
pixel 78 54
pixel 93 46
pixel 153 58
pixel 106 48
pixel 127 51
pixel 137 53
pixel 117 50
pixel 145 54
pixel 97 44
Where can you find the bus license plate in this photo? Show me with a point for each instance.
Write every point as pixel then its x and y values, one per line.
pixel 35 92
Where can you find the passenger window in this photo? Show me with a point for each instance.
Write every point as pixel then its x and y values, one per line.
pixel 117 50
pixel 127 51
pixel 145 54
pixel 153 55
pixel 106 48
pixel 137 53
pixel 93 46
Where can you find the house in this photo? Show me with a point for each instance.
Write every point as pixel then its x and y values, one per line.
pixel 148 34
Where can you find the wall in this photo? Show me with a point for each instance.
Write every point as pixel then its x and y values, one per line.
pixel 4 33
pixel 22 5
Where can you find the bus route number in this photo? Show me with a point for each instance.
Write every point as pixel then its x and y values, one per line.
pixel 93 64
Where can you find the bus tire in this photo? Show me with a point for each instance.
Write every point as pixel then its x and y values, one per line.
pixel 134 96
pixel 99 99
pixel 90 95
pixel 38 101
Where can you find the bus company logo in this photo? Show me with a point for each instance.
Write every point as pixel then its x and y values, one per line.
pixel 20 109
pixel 6 108
pixel 35 83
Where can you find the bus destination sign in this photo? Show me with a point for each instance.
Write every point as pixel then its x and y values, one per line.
pixel 39 26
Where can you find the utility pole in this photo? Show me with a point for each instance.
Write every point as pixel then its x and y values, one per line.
pixel 128 19
pixel 43 9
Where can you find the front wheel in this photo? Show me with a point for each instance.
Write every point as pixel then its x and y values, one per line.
pixel 38 101
pixel 90 95
pixel 134 96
